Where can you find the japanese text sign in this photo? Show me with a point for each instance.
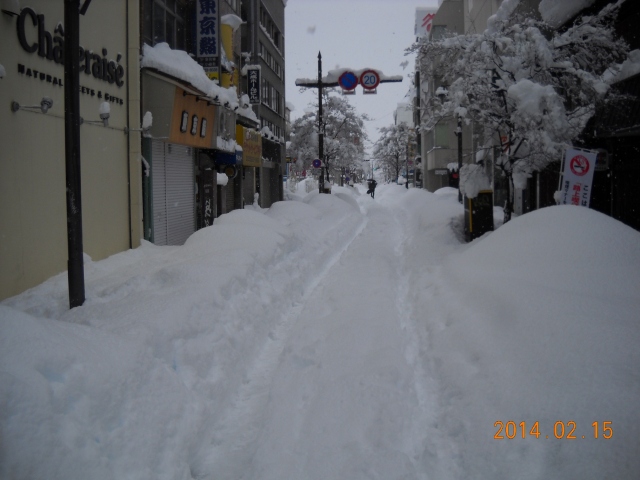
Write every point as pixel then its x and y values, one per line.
pixel 207 29
pixel 253 76
pixel 577 177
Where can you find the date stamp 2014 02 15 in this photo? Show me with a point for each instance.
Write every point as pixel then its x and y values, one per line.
pixel 561 430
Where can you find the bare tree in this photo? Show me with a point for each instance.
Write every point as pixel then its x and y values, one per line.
pixel 392 147
pixel 344 134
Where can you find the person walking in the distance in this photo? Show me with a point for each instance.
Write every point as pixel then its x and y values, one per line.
pixel 372 187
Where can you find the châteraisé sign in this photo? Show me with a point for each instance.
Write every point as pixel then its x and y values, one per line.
pixel 34 37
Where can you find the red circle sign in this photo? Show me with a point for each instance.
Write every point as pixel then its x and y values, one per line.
pixel 579 165
pixel 369 79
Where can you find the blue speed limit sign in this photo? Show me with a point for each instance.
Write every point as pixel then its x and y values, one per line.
pixel 369 79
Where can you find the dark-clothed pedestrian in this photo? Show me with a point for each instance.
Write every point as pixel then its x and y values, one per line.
pixel 372 187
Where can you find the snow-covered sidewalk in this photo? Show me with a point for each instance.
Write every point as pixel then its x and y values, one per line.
pixel 335 337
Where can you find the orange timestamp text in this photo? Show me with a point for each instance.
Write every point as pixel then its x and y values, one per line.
pixel 561 430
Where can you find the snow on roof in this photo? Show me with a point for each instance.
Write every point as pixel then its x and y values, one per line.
pixel 629 68
pixel 180 65
pixel 557 13
pixel 245 70
pixel 245 109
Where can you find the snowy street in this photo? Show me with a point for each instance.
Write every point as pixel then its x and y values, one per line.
pixel 338 391
pixel 336 337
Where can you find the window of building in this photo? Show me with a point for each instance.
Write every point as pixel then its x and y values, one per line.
pixel 278 106
pixel 164 21
pixel 265 92
pixel 274 99
pixel 270 28
pixel 438 31
pixel 442 135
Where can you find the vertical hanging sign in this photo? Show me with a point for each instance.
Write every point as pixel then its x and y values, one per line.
pixel 577 177
pixel 207 49
pixel 253 75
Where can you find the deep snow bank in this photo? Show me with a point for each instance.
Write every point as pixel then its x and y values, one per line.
pixel 133 384
pixel 541 324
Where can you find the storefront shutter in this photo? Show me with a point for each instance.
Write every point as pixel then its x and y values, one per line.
pixel 159 191
pixel 181 217
pixel 173 193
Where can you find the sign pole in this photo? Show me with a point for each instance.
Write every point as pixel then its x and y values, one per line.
pixel 320 123
pixel 75 263
pixel 370 80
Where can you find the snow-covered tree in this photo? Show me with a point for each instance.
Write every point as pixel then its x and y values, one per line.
pixel 344 134
pixel 531 88
pixel 392 147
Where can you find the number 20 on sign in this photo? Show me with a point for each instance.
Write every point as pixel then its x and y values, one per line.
pixel 369 79
pixel 561 430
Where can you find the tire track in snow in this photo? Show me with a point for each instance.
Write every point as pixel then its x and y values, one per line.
pixel 424 383
pixel 344 400
pixel 240 428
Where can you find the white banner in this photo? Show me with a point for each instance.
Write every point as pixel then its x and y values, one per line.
pixel 577 176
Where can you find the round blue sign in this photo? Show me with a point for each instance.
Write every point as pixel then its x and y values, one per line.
pixel 348 80
pixel 316 163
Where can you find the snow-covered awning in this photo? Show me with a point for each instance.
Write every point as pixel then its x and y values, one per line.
pixel 179 65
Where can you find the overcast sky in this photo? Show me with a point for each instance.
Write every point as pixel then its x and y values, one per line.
pixel 351 34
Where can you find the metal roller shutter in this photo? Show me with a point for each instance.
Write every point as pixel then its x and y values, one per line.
pixel 173 193
pixel 180 182
pixel 159 192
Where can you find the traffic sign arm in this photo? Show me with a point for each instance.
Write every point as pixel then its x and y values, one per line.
pixel 302 83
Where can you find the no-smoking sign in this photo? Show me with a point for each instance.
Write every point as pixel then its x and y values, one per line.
pixel 579 165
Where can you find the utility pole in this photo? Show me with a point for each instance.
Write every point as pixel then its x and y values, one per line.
pixel 75 262
pixel 320 126
pixel 406 165
pixel 459 134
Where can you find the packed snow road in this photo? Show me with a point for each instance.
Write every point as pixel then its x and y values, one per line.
pixel 335 337
pixel 338 392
